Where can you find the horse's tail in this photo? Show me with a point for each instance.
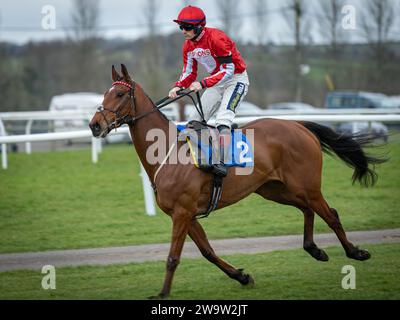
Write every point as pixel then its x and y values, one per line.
pixel 349 148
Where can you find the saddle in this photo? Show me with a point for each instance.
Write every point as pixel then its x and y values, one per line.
pixel 202 140
pixel 203 143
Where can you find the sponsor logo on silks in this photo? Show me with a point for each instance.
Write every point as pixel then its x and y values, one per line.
pixel 236 96
pixel 199 52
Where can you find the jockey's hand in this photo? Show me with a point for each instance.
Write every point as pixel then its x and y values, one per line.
pixel 172 94
pixel 195 86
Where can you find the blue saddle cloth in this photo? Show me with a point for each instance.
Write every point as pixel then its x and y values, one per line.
pixel 240 151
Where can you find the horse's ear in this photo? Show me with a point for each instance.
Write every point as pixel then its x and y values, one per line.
pixel 125 73
pixel 115 75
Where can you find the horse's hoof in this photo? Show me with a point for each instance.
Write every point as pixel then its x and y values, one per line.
pixel 246 279
pixel 250 282
pixel 317 253
pixel 360 254
pixel 322 256
pixel 160 296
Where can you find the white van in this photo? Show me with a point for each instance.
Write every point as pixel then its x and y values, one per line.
pixel 82 105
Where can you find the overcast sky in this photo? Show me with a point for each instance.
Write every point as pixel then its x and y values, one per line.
pixel 21 20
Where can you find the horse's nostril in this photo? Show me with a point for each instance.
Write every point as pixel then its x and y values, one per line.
pixel 95 127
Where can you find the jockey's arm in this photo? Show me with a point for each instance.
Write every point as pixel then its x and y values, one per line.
pixel 189 73
pixel 226 72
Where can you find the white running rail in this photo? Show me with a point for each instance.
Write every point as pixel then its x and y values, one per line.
pixel 149 198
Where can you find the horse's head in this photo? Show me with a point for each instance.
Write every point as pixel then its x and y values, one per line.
pixel 118 105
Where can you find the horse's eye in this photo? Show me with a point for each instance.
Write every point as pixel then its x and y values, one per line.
pixel 120 94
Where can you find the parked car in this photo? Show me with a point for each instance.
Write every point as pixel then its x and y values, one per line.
pixel 377 129
pixel 391 102
pixel 249 109
pixel 356 100
pixel 295 106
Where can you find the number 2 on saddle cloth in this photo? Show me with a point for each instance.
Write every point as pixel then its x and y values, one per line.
pixel 201 138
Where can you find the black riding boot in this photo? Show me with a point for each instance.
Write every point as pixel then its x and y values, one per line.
pixel 219 169
pixel 224 141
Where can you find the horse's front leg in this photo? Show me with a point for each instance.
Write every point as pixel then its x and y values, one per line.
pixel 198 235
pixel 181 221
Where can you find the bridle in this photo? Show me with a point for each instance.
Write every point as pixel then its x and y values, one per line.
pixel 120 120
pixel 130 120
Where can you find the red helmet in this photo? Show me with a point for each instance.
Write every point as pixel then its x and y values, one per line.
pixel 191 15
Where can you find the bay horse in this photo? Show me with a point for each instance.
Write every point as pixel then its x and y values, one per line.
pixel 287 170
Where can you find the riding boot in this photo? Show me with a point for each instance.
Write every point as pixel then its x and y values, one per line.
pixel 224 140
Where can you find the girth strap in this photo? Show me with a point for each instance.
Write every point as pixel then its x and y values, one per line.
pixel 216 192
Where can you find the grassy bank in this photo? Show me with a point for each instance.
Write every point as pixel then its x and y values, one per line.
pixel 61 200
pixel 288 274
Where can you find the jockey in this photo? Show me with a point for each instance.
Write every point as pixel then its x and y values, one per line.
pixel 227 84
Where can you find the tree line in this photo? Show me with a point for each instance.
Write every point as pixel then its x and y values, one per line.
pixel 303 71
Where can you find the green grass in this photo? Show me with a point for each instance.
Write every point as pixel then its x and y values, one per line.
pixel 61 200
pixel 290 274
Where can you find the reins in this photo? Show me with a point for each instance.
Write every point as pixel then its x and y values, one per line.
pixel 162 103
pixel 120 120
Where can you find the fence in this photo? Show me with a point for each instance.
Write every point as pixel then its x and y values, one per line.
pixel 148 193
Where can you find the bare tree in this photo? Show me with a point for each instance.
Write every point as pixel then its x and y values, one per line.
pixel 377 21
pixel 228 11
pixel 152 62
pixel 85 16
pixel 150 13
pixel 330 22
pixel 82 60
pixel 260 7
pixel 295 16
pixel 1 22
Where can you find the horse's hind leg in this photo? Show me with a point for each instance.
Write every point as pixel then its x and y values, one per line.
pixel 196 232
pixel 276 191
pixel 308 242
pixel 331 217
